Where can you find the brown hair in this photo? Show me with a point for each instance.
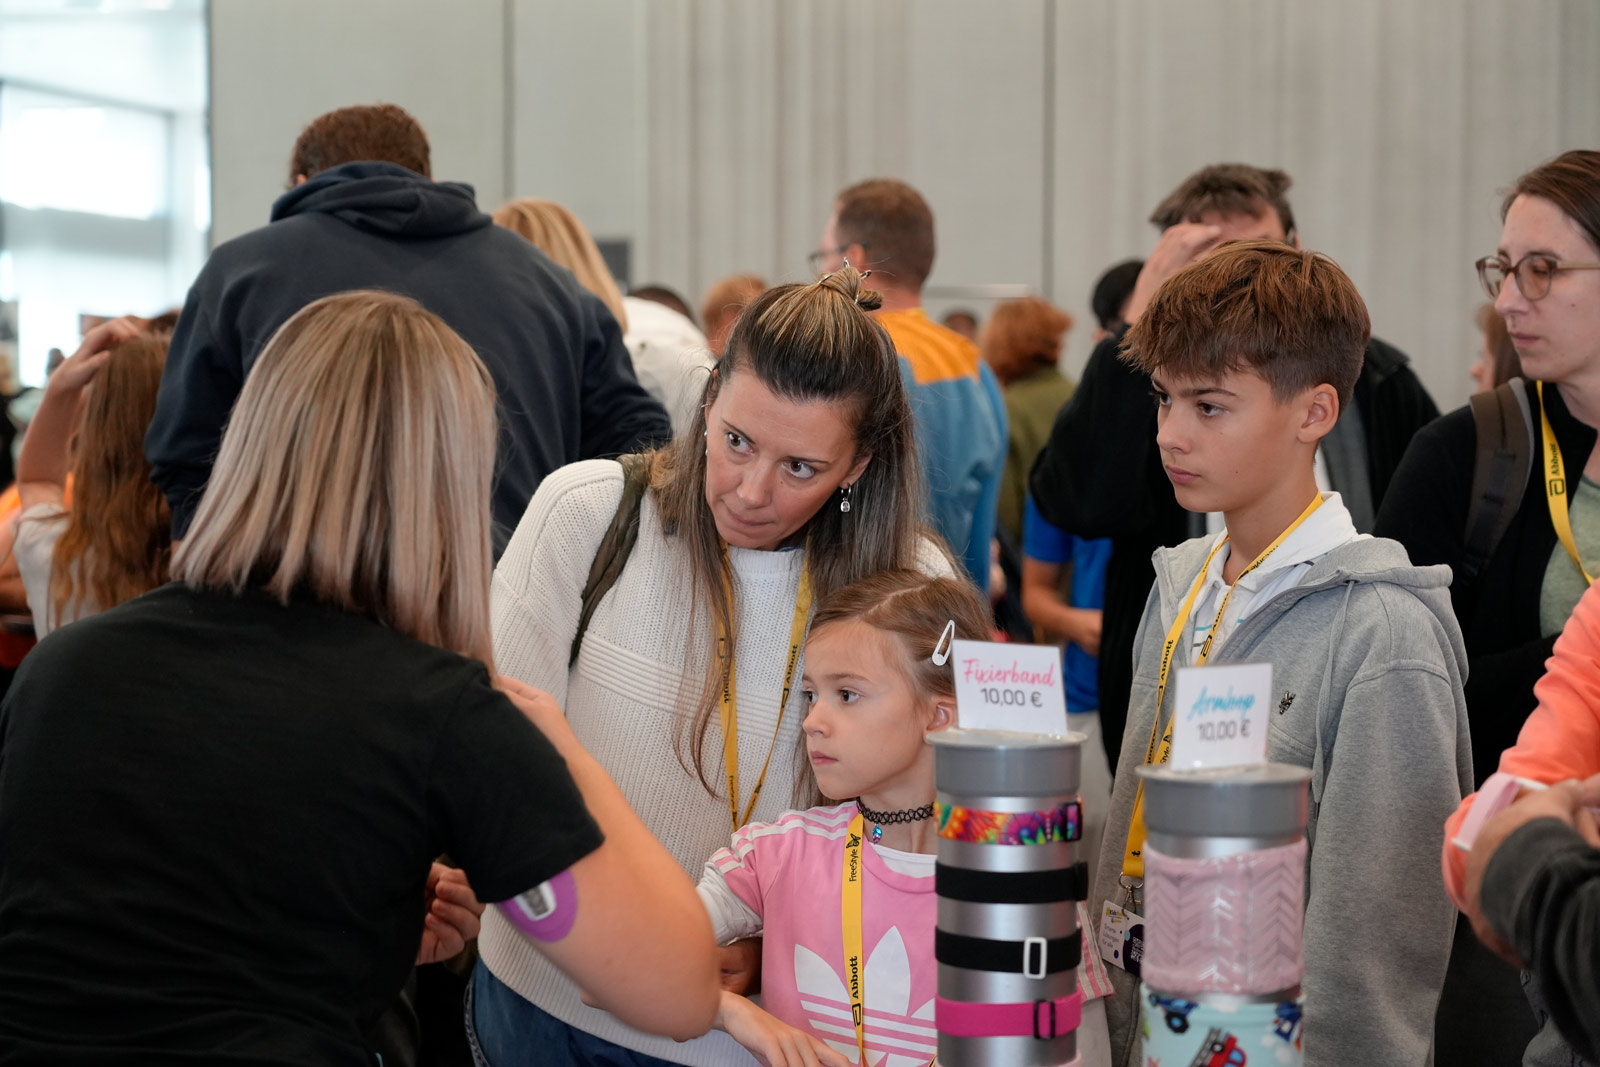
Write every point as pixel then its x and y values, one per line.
pixel 723 302
pixel 805 343
pixel 1292 317
pixel 915 609
pixel 118 540
pixel 1228 189
pixel 557 233
pixel 893 223
pixel 1023 336
pixel 1507 364
pixel 380 133
pixel 1571 182
pixel 355 469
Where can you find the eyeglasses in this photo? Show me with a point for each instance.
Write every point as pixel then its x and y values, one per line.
pixel 815 259
pixel 1534 273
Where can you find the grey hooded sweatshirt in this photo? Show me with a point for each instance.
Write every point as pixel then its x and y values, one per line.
pixel 1369 662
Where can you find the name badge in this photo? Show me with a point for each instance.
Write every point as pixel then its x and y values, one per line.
pixel 1121 938
pixel 1002 686
pixel 1219 716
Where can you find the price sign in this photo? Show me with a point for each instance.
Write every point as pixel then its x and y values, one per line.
pixel 1009 687
pixel 1219 716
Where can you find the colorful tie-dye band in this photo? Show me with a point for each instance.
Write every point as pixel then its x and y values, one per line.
pixel 976 826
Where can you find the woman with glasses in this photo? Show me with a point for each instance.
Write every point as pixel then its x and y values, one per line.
pixel 1519 568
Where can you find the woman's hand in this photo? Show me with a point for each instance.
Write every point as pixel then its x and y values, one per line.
pixel 771 1040
pixel 80 368
pixel 1565 801
pixel 452 916
pixel 539 707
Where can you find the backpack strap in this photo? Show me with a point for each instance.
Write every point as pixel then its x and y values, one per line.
pixel 617 544
pixel 1500 471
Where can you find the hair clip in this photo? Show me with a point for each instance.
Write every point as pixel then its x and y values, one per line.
pixel 947 641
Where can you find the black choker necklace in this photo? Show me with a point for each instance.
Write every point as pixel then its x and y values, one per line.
pixel 887 818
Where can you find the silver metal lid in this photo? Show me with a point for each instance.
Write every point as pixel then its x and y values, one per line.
pixel 991 763
pixel 1264 800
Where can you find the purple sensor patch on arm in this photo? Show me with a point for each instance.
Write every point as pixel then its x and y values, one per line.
pixel 547 911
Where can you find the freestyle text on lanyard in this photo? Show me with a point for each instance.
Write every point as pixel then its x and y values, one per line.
pixel 730 693
pixel 850 924
pixel 1555 489
pixel 1133 855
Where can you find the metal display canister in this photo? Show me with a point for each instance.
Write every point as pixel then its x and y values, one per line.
pixel 1224 899
pixel 1008 879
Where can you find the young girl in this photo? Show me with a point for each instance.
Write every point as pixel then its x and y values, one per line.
pixel 875 693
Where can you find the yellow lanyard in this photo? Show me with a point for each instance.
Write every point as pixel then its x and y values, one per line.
pixel 1555 489
pixel 1133 854
pixel 850 923
pixel 730 695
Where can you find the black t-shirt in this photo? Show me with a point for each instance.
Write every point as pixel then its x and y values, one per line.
pixel 217 816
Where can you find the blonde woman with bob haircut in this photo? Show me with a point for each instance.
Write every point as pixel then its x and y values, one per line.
pixel 268 751
pixel 797 477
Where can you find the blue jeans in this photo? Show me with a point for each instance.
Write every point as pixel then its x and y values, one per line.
pixel 506 1030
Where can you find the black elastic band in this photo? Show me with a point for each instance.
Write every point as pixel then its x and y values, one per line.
pixel 1008 957
pixel 1012 887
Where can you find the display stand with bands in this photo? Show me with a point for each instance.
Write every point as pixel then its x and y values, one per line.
pixel 1007 942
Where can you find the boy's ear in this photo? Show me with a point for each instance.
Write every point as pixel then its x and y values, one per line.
pixel 1321 411
pixel 941 714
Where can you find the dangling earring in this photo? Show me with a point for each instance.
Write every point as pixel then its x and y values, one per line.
pixel 845 492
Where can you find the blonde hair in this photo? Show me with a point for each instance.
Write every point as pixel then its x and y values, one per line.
pixel 356 469
pixel 557 233
pixel 915 610
pixel 806 343
pixel 118 539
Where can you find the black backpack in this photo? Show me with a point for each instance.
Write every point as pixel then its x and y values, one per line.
pixel 1500 471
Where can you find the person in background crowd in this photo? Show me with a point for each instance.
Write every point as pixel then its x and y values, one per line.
pixel 669 354
pixel 1253 353
pixel 963 322
pixel 1513 597
pixel 1100 475
pixel 219 800
pixel 1021 343
pixel 797 477
pixel 362 211
pixel 962 436
pixel 116 541
pixel 1109 301
pixel 1497 361
pixel 724 300
pixel 667 298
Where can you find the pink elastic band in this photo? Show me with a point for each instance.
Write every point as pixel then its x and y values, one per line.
pixel 1043 1019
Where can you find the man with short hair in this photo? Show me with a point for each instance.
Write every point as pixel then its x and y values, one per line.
pixel 1101 474
pixel 362 212
pixel 885 226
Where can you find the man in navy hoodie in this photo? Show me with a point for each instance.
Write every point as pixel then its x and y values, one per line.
pixel 363 213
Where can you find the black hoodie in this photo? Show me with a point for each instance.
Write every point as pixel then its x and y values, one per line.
pixel 565 384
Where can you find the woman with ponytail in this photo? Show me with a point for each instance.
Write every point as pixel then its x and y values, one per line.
pixel 797 477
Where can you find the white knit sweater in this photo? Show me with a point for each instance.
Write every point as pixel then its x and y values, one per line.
pixel 627 691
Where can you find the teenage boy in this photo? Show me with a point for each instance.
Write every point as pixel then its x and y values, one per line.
pixel 1253 351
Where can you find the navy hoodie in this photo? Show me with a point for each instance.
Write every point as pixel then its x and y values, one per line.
pixel 565 384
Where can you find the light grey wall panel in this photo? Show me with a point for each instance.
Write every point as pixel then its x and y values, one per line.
pixel 275 66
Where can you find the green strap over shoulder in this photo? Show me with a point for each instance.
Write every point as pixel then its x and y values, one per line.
pixel 617 544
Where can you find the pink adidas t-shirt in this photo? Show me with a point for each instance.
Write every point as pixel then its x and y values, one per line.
pixel 783 879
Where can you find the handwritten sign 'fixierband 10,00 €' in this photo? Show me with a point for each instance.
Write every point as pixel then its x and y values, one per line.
pixel 1009 687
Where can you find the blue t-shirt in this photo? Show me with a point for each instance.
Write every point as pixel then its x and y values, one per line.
pixel 1050 544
